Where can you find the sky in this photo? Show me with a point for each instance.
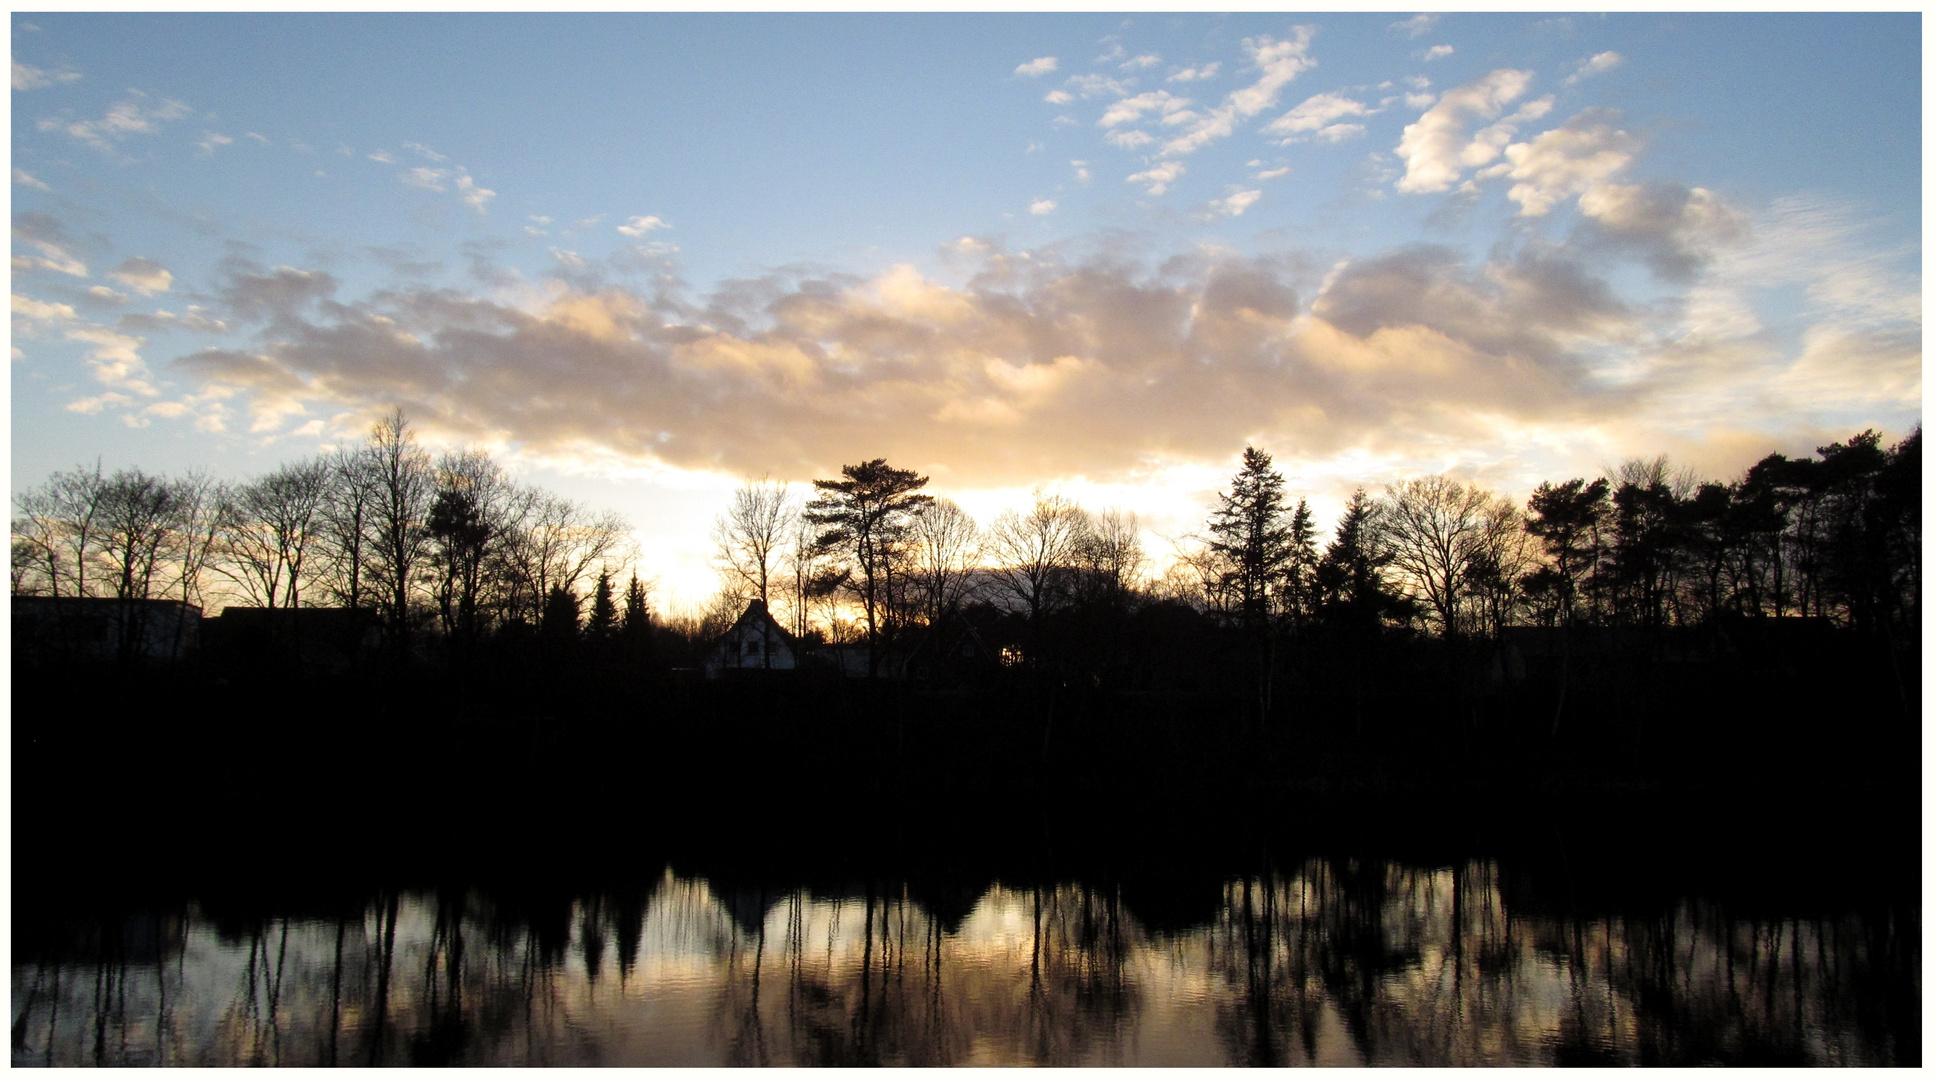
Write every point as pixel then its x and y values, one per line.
pixel 643 258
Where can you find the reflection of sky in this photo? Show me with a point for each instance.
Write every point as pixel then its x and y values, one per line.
pixel 1057 976
pixel 642 257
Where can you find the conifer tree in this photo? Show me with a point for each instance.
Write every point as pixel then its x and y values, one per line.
pixel 603 623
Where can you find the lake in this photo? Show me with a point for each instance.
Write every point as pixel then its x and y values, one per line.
pixel 1321 959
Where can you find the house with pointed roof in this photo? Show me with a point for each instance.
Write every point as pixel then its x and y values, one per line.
pixel 757 642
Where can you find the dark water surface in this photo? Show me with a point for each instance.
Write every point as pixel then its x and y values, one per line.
pixel 1320 959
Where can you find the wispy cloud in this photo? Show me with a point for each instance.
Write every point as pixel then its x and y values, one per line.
pixel 1278 62
pixel 1232 205
pixel 212 139
pixel 639 226
pixel 1416 26
pixel 1041 65
pixel 1594 65
pixel 45 234
pixel 137 114
pixel 26 179
pixel 1042 206
pixel 477 198
pixel 1197 74
pixel 27 77
pixel 1317 114
pixel 1158 178
pixel 1436 52
pixel 426 178
pixel 426 151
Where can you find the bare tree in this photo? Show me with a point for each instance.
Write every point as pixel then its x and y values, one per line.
pixel 404 485
pixel 57 528
pixel 946 545
pixel 347 526
pixel 1438 533
pixel 468 522
pixel 1111 557
pixel 750 535
pixel 551 543
pixel 1034 553
pixel 268 527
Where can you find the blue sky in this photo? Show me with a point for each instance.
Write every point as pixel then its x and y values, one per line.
pixel 643 256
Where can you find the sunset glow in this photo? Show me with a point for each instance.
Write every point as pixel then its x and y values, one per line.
pixel 644 258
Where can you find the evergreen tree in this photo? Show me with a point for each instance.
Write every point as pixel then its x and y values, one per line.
pixel 638 619
pixel 1249 530
pixel 560 619
pixel 603 623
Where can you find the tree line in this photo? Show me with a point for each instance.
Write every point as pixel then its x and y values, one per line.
pixel 1835 537
pixel 449 543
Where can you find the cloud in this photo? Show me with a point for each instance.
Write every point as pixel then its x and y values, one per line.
pixel 115 360
pixel 426 151
pixel 426 178
pixel 1158 177
pixel 1435 52
pixel 1138 63
pixel 1314 115
pixel 45 234
pixel 1131 109
pixel 1417 25
pixel 383 157
pixel 1058 97
pixel 1090 86
pixel 1041 65
pixel 26 179
pixel 1233 205
pixel 1129 140
pixel 26 77
pixel 25 307
pixel 1272 174
pixel 1278 61
pixel 212 139
pixel 262 139
pixel 1197 74
pixel 1567 161
pixel 1082 171
pixel 1042 206
pixel 474 197
pixel 1592 66
pixel 639 226
pixel 1436 149
pixel 143 275
pixel 133 115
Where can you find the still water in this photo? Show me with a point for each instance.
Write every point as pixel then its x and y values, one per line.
pixel 1328 962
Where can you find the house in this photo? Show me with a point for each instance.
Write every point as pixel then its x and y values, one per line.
pixel 757 642
pixel 48 629
pixel 320 639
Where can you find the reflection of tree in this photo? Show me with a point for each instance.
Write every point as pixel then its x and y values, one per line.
pixel 1327 962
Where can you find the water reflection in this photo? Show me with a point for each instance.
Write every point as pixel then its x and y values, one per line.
pixel 1330 962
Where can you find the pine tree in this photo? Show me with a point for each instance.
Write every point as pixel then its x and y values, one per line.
pixel 1250 531
pixel 603 623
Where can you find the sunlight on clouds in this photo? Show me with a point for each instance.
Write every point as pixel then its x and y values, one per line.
pixel 1435 148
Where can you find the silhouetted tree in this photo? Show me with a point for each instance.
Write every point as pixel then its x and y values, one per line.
pixel 1034 555
pixel 863 519
pixel 560 621
pixel 1251 530
pixel 602 625
pixel 269 529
